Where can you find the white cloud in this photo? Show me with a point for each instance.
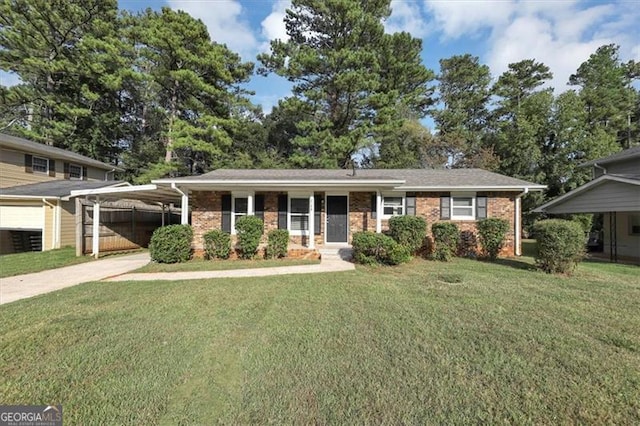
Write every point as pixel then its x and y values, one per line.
pixel 467 17
pixel 225 21
pixel 560 34
pixel 273 26
pixel 406 16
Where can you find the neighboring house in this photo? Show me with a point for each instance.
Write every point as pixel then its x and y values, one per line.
pixel 35 182
pixel 614 192
pixel 325 207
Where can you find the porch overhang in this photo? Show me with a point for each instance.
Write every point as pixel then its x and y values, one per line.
pixel 151 193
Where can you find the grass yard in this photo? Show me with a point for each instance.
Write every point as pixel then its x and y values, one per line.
pixel 198 264
pixel 424 343
pixel 26 263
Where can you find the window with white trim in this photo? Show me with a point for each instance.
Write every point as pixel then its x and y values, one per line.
pixel 299 215
pixel 393 205
pixel 463 207
pixel 634 224
pixel 39 165
pixel 75 172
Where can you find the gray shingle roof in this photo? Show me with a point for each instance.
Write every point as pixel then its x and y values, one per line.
pixel 618 156
pixel 412 177
pixel 31 147
pixel 55 188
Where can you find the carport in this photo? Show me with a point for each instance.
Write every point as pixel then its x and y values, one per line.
pixel 149 194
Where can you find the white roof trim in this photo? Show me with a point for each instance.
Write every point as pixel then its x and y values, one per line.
pixel 475 188
pixel 113 190
pixel 600 180
pixel 284 182
pixel 29 197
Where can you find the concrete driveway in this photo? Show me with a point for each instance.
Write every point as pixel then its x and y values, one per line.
pixel 29 285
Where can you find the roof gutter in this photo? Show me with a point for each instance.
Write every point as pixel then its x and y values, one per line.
pixel 29 197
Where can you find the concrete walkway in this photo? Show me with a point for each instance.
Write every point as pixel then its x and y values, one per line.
pixel 29 285
pixel 327 264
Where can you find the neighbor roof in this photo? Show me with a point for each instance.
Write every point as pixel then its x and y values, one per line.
pixel 12 142
pixel 627 154
pixel 409 179
pixel 56 188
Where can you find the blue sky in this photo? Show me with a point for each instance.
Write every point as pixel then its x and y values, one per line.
pixel 560 33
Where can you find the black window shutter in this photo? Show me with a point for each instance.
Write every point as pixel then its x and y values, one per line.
pixel 445 207
pixel 226 213
pixel 317 213
pixel 52 167
pixel 481 207
pixel 282 211
pixel 411 205
pixel 28 163
pixel 84 173
pixel 258 200
pixel 66 170
pixel 374 206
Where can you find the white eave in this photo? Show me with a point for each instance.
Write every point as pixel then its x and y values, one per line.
pixel 149 192
pixel 474 188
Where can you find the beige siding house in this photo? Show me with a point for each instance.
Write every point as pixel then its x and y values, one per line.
pixel 614 192
pixel 35 182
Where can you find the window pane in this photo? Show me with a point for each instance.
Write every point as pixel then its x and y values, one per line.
pixel 392 211
pixel 392 206
pixel 40 164
pixel 392 201
pixel 241 205
pixel 300 223
pixel 299 205
pixel 462 211
pixel 462 202
pixel 75 172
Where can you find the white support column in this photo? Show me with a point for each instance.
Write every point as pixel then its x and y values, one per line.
pixel 250 206
pixel 184 214
pixel 517 226
pixel 378 212
pixel 312 216
pixel 95 239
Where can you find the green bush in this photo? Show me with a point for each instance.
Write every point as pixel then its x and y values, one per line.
pixel 249 231
pixel 277 243
pixel 217 244
pixel 492 234
pixel 408 231
pixel 445 240
pixel 171 244
pixel 370 248
pixel 560 245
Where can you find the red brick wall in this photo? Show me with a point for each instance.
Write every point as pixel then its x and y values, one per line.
pixel 206 214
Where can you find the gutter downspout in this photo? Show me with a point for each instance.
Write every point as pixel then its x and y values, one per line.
pixel 106 174
pixel 55 234
pixel 596 165
pixel 184 213
pixel 518 223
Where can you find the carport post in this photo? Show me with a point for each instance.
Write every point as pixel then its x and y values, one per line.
pixel 95 239
pixel 184 211
pixel 378 212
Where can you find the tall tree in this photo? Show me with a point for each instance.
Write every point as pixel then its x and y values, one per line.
pixel 463 94
pixel 609 97
pixel 190 86
pixel 349 77
pixel 67 55
pixel 410 146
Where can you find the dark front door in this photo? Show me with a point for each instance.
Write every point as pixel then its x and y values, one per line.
pixel 337 218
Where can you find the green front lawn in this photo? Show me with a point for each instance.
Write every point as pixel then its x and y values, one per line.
pixel 198 264
pixel 424 343
pixel 26 263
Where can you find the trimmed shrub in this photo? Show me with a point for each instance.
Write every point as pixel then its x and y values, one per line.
pixel 492 234
pixel 445 240
pixel 560 245
pixel 171 244
pixel 249 231
pixel 468 245
pixel 277 243
pixel 408 231
pixel 217 244
pixel 370 248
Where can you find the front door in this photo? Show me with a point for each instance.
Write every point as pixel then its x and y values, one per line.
pixel 337 218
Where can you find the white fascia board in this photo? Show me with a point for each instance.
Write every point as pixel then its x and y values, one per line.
pixel 472 188
pixel 291 183
pixel 28 197
pixel 113 190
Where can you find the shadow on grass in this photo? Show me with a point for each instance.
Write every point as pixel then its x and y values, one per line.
pixel 516 264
